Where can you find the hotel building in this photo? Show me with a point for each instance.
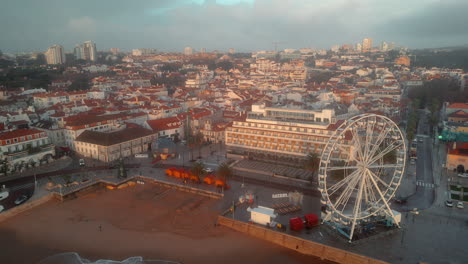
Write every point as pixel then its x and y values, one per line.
pixel 273 133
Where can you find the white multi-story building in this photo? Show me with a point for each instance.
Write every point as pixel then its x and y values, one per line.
pixel 366 44
pixel 188 51
pixel 279 132
pixel 42 100
pixel 105 123
pixel 86 51
pixel 55 55
pixel 115 145
pixel 25 148
pixel 89 49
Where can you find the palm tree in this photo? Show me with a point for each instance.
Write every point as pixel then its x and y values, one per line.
pixel 312 162
pixel 198 169
pixel 224 171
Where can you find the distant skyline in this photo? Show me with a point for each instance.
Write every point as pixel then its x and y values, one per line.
pixel 245 25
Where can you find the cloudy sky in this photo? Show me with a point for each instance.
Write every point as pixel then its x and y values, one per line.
pixel 246 25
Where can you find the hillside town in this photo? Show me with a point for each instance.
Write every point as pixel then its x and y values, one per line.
pixel 297 121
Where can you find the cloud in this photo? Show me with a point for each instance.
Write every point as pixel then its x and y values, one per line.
pixel 82 25
pixel 241 24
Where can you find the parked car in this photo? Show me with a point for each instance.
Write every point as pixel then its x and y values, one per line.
pixel 420 140
pixel 463 175
pixel 449 203
pixel 400 200
pixel 209 170
pixel 460 205
pixel 21 199
pixel 3 195
pixel 82 163
pixel 141 155
pixel 2 208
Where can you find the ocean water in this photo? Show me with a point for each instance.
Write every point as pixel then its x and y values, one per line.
pixel 74 258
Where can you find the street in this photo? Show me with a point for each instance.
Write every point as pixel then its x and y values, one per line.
pixel 423 198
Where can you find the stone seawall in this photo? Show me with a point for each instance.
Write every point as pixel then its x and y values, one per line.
pixel 298 244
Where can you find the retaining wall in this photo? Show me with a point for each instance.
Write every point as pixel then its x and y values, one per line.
pixel 26 206
pixel 184 188
pixel 303 246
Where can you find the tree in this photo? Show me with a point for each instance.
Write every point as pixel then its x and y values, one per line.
pixel 225 65
pixel 4 166
pixel 312 162
pixel 198 169
pixel 81 82
pixel 197 142
pixel 224 171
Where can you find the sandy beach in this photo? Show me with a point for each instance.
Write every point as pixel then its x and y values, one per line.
pixel 147 221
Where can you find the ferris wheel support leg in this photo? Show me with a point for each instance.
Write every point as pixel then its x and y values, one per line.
pixel 383 200
pixel 357 206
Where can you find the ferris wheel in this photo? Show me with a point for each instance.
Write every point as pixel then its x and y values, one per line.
pixel 360 170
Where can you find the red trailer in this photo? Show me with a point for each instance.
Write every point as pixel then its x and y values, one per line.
pixel 311 220
pixel 296 224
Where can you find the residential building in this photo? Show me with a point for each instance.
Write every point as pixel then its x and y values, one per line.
pixel 90 52
pixel 75 125
pixel 115 51
pixel 188 51
pixel 25 147
pixel 170 127
pixel 42 100
pixel 55 133
pixel 384 46
pixel 366 44
pixel 111 146
pixel 55 55
pixel 86 51
pixel 403 60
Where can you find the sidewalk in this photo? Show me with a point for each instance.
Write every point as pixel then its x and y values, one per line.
pixel 56 165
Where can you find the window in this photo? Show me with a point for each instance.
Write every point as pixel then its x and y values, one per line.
pixel 29 137
pixel 15 140
pixel 8 141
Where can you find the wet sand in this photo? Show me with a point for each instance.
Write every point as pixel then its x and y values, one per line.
pixel 147 221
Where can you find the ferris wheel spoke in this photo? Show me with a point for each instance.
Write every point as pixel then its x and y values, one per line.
pixel 357 143
pixel 344 196
pixel 370 191
pixel 357 206
pixel 379 140
pixel 373 175
pixel 342 168
pixel 385 166
pixel 387 150
pixel 381 195
pixel 341 183
pixel 369 133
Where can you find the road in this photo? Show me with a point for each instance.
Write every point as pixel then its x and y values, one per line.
pixel 423 198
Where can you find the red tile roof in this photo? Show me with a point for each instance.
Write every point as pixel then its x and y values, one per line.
pixel 164 123
pixel 19 133
pixel 458 106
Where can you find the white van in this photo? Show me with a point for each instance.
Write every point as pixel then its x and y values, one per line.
pixel 141 155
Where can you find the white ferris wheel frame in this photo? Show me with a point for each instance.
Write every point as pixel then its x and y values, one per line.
pixel 363 176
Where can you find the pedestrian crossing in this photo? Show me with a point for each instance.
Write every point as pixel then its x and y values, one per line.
pixel 424 184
